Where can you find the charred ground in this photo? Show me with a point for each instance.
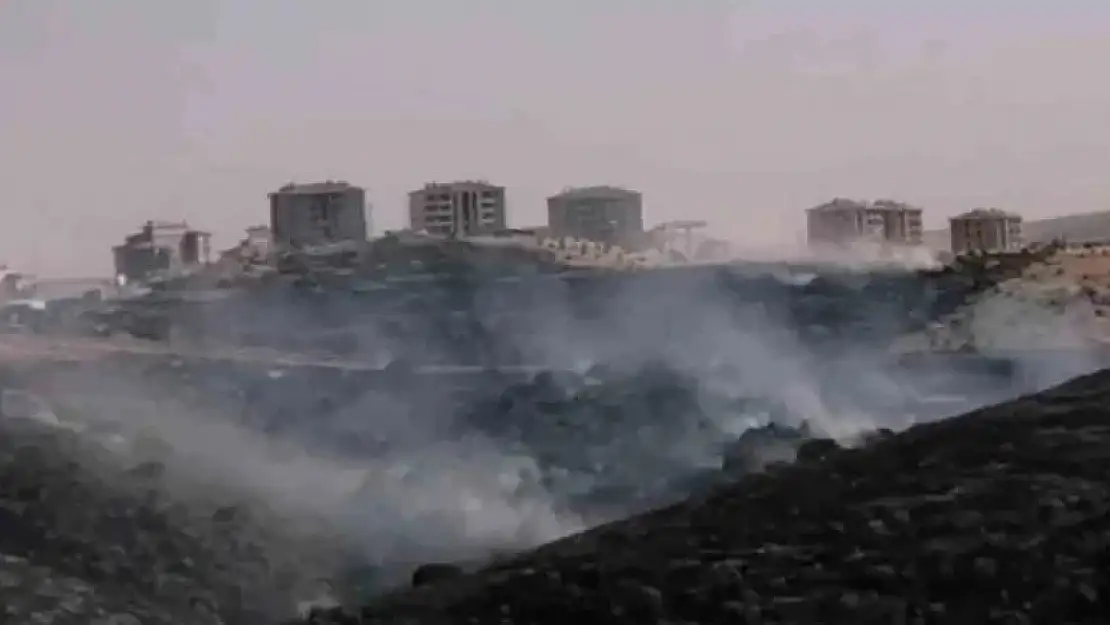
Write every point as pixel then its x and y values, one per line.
pixel 999 515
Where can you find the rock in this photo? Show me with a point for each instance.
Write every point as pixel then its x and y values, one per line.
pixel 759 447
pixel 225 514
pixel 876 436
pixel 817 449
pixel 118 619
pixel 639 601
pixel 434 573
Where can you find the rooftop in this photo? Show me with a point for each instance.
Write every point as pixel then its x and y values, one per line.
pixel 594 191
pixel 986 213
pixel 845 204
pixel 485 184
pixel 157 224
pixel 313 188
pixel 894 205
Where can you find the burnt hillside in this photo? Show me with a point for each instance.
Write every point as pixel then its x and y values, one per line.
pixel 996 516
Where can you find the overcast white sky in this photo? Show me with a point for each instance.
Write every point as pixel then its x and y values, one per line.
pixel 739 112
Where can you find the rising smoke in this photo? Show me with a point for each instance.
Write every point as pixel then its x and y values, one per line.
pixel 427 487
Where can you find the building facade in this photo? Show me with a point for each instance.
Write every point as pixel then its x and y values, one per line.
pixel 986 230
pixel 843 221
pixel 458 209
pixel 255 248
pixel 314 214
pixel 259 238
pixel 603 214
pixel 13 285
pixel 161 247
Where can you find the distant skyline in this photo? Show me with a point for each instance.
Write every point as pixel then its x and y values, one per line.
pixel 743 113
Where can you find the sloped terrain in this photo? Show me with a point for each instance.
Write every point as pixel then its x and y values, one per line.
pixel 997 516
pixel 87 533
pixel 634 396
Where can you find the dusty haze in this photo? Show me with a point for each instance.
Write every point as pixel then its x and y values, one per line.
pixel 742 113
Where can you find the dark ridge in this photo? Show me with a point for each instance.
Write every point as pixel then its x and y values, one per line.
pixel 998 515
pixel 409 305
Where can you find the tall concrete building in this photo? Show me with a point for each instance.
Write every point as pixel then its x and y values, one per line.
pixel 459 209
pixel 601 213
pixel 320 213
pixel 844 221
pixel 987 230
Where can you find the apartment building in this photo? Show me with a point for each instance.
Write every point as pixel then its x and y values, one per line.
pixel 842 221
pixel 987 230
pixel 161 247
pixel 458 209
pixel 604 214
pixel 315 214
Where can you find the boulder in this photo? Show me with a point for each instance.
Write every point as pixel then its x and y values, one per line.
pixel 817 449
pixel 759 446
pixel 434 573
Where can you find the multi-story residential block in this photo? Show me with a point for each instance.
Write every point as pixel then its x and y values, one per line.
pixel 315 214
pixel 604 214
pixel 986 229
pixel 844 221
pixel 458 209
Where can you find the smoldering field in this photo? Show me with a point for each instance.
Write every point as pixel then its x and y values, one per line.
pixel 633 388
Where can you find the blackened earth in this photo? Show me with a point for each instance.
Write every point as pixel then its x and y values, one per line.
pixel 671 403
pixel 997 516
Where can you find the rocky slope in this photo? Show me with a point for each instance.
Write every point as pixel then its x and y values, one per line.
pixel 997 516
pixel 1058 302
pixel 94 534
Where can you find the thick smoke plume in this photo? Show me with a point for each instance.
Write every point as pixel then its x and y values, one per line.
pixel 753 345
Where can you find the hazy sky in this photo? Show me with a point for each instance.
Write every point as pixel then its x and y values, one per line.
pixel 743 113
